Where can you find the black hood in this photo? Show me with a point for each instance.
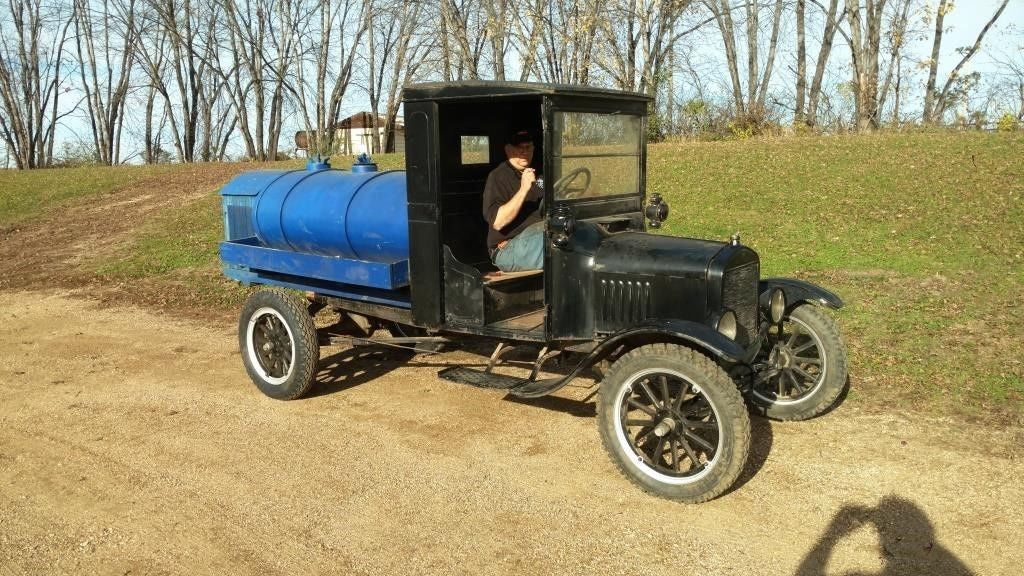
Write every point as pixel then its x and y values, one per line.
pixel 638 253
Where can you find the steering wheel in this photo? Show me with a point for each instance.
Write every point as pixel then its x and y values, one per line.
pixel 564 181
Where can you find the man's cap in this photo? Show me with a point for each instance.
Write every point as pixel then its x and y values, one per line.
pixel 517 137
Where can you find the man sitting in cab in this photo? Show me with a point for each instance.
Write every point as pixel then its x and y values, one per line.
pixel 512 196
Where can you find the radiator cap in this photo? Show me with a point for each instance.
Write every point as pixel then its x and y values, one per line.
pixel 363 163
pixel 316 164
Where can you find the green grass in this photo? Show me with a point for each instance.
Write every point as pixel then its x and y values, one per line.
pixel 921 234
pixel 25 195
pixel 186 238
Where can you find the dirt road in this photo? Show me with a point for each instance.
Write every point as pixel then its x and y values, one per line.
pixel 133 443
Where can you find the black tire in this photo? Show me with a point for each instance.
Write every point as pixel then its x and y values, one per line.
pixel 278 341
pixel 668 396
pixel 810 358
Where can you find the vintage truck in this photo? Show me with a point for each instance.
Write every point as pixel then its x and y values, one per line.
pixel 684 335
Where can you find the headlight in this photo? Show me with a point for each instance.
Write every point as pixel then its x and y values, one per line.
pixel 727 325
pixel 656 211
pixel 777 305
pixel 561 226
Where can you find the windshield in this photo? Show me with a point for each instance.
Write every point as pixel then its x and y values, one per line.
pixel 596 155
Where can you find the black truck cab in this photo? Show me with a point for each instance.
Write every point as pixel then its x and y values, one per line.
pixel 597 133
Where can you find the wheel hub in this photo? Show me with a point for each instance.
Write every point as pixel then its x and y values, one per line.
pixel 785 357
pixel 780 357
pixel 664 427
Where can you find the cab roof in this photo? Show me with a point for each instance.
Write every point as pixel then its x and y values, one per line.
pixel 482 89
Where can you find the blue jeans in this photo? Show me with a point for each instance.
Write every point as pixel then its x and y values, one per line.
pixel 524 252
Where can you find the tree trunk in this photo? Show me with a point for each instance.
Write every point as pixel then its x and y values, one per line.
pixel 801 64
pixel 865 41
pixel 769 64
pixel 31 62
pixel 723 17
pixel 897 35
pixel 933 63
pixel 752 49
pixel 824 52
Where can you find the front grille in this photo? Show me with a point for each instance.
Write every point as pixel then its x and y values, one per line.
pixel 238 217
pixel 623 301
pixel 739 294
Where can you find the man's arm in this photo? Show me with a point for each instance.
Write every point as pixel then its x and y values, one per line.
pixel 508 211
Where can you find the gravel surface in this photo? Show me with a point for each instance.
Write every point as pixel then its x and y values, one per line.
pixel 134 443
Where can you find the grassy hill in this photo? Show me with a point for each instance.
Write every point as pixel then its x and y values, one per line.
pixel 919 233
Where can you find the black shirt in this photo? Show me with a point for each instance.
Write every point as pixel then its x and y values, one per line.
pixel 502 184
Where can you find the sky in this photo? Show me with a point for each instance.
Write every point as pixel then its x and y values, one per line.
pixel 966 21
pixel 963 25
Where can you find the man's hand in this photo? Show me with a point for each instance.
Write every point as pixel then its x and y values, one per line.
pixel 529 177
pixel 508 211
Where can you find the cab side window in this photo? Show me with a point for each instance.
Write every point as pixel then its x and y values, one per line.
pixel 475 149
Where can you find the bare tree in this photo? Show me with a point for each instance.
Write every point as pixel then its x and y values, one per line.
pixel 758 79
pixel 395 53
pixel 475 33
pixel 105 42
pixel 262 36
pixel 936 101
pixel 182 44
pixel 1010 77
pixel 895 38
pixel 497 27
pixel 32 76
pixel 933 63
pixel 525 32
pixel 637 37
pixel 829 29
pixel 330 39
pixel 865 41
pixel 463 36
pixel 567 31
pixel 151 58
pixel 799 114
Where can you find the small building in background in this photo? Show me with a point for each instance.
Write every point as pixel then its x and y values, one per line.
pixel 354 135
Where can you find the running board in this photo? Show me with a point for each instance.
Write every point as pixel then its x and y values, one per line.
pixel 521 387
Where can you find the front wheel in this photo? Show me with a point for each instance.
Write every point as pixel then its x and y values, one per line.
pixel 801 369
pixel 278 341
pixel 674 422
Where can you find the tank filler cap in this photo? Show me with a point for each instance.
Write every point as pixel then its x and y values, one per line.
pixel 364 163
pixel 316 164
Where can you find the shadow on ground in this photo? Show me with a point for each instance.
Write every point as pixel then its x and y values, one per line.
pixel 354 366
pixel 906 535
pixel 761 440
pixel 358 365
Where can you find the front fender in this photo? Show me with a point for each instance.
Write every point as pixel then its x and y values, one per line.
pixel 698 335
pixel 798 291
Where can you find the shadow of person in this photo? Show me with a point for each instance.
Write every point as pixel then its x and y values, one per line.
pixel 906 535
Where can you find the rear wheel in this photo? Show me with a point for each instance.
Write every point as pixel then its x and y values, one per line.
pixel 278 341
pixel 674 422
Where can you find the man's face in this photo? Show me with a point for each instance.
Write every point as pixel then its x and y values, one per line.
pixel 519 155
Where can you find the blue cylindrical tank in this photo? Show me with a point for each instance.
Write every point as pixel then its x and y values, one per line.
pixel 362 216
